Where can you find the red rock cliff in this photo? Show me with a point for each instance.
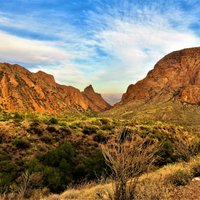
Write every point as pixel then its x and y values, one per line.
pixel 21 90
pixel 176 76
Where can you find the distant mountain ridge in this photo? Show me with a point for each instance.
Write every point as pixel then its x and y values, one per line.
pixel 21 90
pixel 112 98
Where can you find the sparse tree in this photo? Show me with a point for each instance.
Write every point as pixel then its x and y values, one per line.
pixel 128 157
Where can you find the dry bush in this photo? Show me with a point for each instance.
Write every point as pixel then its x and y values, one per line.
pixel 186 146
pixel 151 189
pixel 128 157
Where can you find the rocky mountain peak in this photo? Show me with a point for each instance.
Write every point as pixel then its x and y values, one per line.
pixel 47 77
pixel 97 99
pixel 175 77
pixel 89 89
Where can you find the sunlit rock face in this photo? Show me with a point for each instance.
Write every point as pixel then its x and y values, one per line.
pixel 174 77
pixel 21 90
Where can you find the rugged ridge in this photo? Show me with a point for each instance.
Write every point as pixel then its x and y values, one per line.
pixel 21 90
pixel 175 77
pixel 95 99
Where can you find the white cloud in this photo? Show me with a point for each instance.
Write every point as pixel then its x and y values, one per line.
pixel 137 45
pixel 134 39
pixel 30 51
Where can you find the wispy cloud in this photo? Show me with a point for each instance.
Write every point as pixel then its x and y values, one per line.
pixel 107 44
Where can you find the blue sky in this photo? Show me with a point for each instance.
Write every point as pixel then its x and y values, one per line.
pixel 107 43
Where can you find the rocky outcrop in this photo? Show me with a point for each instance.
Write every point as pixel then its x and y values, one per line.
pixel 174 77
pixel 21 90
pixel 95 99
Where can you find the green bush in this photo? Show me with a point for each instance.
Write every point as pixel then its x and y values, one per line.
pixel 18 118
pixel 100 138
pixel 107 127
pixel 65 131
pixel 4 156
pixel 180 177
pixel 8 172
pixel 46 139
pixel 166 153
pixel 35 122
pixel 105 121
pixel 89 130
pixel 52 129
pixel 196 170
pixel 53 179
pixel 22 143
pixel 66 164
pixel 52 121
pixel 35 130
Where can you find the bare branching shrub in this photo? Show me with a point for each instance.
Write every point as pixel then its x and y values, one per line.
pixel 128 157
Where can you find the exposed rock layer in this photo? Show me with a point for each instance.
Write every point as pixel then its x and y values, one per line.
pixel 21 90
pixel 174 77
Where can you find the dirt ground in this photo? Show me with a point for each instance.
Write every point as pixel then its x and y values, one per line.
pixel 188 192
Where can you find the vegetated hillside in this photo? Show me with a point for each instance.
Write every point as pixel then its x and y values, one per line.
pixel 21 90
pixel 167 92
pixel 59 150
pixel 171 182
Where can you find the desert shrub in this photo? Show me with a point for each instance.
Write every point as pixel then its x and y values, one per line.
pixel 8 172
pixel 46 139
pixel 100 138
pixel 22 143
pixel 180 177
pixel 52 129
pixel 35 130
pixel 66 164
pixel 105 121
pixel 1 139
pixel 88 130
pixel 4 156
pixel 53 179
pixel 65 131
pixel 35 122
pixel 196 170
pixel 52 121
pixel 96 166
pixel 107 127
pixel 166 153
pixel 54 157
pixel 18 118
pixel 36 180
pixel 128 157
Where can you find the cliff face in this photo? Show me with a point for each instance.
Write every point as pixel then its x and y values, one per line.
pixel 95 99
pixel 21 90
pixel 174 77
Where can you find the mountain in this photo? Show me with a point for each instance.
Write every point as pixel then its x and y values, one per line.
pixel 21 90
pixel 112 98
pixel 174 77
pixel 169 92
pixel 95 99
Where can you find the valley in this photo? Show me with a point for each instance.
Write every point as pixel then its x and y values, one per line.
pixel 53 137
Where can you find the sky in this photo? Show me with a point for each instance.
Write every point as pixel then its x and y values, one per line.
pixel 107 43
